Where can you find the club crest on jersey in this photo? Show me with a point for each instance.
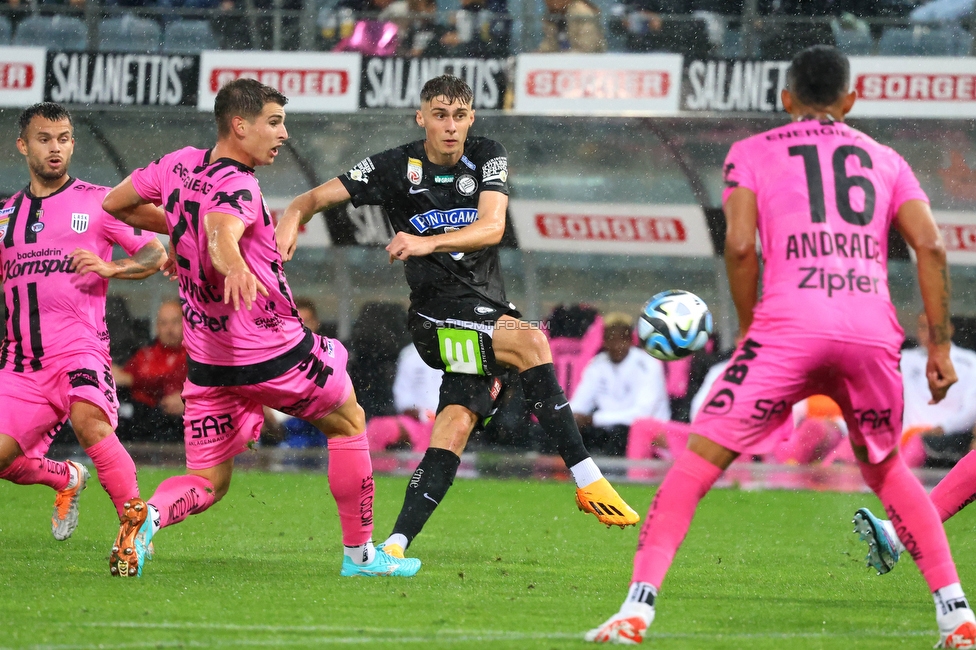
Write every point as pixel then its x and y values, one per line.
pixel 79 222
pixel 4 221
pixel 415 171
pixel 466 185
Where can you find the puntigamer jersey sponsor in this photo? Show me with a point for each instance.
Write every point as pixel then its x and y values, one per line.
pixel 50 309
pixel 224 345
pixel 827 195
pixel 425 199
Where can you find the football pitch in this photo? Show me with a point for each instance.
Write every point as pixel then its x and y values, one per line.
pixel 507 564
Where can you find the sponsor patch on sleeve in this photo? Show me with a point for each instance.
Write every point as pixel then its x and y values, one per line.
pixel 360 172
pixel 495 169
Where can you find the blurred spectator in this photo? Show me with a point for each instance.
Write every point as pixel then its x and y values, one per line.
pixel 416 392
pixel 154 377
pixel 649 27
pixel 572 26
pixel 126 333
pixel 781 40
pixel 619 385
pixel 337 22
pixel 231 27
pixel 423 35
pixel 481 29
pixel 944 431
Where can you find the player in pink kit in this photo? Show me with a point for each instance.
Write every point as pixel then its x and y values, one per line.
pixel 240 359
pixel 823 197
pixel 55 262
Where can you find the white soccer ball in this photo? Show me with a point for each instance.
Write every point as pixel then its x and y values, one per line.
pixel 674 324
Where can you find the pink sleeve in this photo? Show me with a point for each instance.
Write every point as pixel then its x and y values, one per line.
pixel 129 238
pixel 147 182
pixel 237 195
pixel 906 188
pixel 736 171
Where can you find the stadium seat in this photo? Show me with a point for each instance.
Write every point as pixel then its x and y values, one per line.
pixel 129 34
pixel 68 32
pixel 898 41
pixel 854 42
pixel 188 37
pixel 5 30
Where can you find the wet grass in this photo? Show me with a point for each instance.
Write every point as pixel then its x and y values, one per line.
pixel 507 564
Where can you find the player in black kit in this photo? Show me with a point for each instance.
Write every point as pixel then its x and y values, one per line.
pixel 446 198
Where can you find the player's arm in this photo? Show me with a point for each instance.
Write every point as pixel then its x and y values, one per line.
pixel 741 259
pixel 125 204
pixel 487 230
pixel 146 261
pixel 224 233
pixel 302 208
pixel 915 222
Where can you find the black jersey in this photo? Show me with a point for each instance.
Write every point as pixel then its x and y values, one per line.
pixel 425 199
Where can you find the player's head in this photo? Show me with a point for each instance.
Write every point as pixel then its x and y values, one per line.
pixel 446 115
pixel 46 140
pixel 169 324
pixel 818 81
pixel 618 335
pixel 251 117
pixel 308 312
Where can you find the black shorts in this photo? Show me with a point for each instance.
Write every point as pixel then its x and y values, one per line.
pixel 454 335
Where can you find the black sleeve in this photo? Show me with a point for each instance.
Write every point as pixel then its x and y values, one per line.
pixel 494 168
pixel 370 182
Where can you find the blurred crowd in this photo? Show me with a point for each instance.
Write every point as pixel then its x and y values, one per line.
pixel 625 402
pixel 487 28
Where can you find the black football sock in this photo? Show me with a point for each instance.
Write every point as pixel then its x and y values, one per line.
pixel 547 401
pixel 427 487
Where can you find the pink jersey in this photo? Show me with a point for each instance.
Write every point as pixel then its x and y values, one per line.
pixel 52 310
pixel 226 347
pixel 827 195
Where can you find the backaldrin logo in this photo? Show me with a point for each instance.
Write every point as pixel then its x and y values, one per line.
pixel 610 228
pixel 16 76
pixel 598 84
pixel 293 83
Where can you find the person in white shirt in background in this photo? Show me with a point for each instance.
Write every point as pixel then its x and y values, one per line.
pixel 416 391
pixel 619 385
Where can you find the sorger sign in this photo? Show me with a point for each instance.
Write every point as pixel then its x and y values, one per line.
pixel 959 233
pixel 313 83
pixel 922 87
pixel 622 228
pixel 587 83
pixel 21 75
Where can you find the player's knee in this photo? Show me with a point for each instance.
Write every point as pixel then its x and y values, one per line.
pixel 533 349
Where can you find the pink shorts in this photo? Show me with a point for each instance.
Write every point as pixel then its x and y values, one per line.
pixel 770 373
pixel 220 422
pixel 33 404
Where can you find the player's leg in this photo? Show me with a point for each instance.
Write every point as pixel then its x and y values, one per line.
pixel 526 348
pixel 663 531
pixel 957 489
pixel 114 466
pixel 435 475
pixel 873 411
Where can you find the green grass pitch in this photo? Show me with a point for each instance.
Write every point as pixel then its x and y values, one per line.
pixel 507 564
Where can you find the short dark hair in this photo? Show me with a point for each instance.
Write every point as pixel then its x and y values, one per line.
pixel 47 110
pixel 449 87
pixel 243 98
pixel 819 75
pixel 307 303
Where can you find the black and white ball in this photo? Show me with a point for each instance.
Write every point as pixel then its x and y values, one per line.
pixel 674 324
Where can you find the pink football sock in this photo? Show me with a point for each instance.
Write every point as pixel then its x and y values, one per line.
pixel 38 471
pixel 116 471
pixel 178 497
pixel 958 489
pixel 383 431
pixel 914 518
pixel 351 482
pixel 670 515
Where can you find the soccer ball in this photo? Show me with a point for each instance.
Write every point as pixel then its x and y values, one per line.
pixel 674 324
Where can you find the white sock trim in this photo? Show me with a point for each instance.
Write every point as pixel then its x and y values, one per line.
pixel 586 473
pixel 397 538
pixel 948 599
pixel 74 476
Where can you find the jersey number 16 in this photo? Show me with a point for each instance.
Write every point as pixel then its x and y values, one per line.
pixel 842 183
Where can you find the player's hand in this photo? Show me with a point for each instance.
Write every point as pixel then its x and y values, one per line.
pixel 84 262
pixel 405 245
pixel 168 265
pixel 286 235
pixel 241 285
pixel 172 404
pixel 940 372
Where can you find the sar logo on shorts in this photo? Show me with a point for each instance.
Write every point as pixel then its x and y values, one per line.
pixel 466 185
pixel 79 222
